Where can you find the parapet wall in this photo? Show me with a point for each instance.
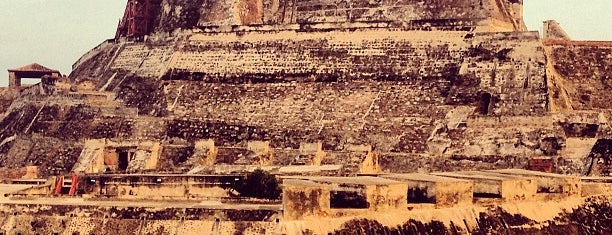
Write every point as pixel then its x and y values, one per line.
pixel 293 113
pixel 493 15
pixel 473 63
pixel 395 89
pixel 322 56
pixel 60 219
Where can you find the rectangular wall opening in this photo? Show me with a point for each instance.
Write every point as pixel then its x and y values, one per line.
pixel 124 160
pixel 348 200
pixel 419 195
pixel 30 81
pixel 487 195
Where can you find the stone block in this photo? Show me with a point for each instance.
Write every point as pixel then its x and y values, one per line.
pixel 302 199
pixel 442 191
pixel 549 183
pixel 491 185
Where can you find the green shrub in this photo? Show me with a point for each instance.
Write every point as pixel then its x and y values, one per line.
pixel 259 184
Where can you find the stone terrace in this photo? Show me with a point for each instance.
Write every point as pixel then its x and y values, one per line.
pixel 343 110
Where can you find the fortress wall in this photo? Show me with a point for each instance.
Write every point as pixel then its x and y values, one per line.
pixel 507 136
pixel 388 88
pixel 474 63
pixel 405 10
pixel 154 62
pixel 49 219
pixel 53 134
pixel 75 122
pixel 175 14
pixel 52 156
pixel 511 68
pixel 109 65
pixel 412 163
pixel 93 52
pixel 585 72
pixel 289 55
pixel 350 161
pixel 143 93
pixel 131 56
pixel 499 15
pixel 506 142
pixel 514 59
pixel 304 199
pixel 148 128
pixel 455 71
pixel 95 62
pixel 387 197
pixel 508 216
pixel 385 114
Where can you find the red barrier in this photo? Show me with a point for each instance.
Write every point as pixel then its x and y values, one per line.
pixel 74 185
pixel 59 183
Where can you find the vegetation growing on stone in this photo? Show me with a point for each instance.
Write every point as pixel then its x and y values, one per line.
pixel 259 184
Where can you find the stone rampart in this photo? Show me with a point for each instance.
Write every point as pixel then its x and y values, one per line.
pixel 66 219
pixel 364 109
pixel 338 56
pixel 180 14
pixel 585 70
pixel 476 64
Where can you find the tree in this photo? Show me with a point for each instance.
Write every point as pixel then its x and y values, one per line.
pixel 259 184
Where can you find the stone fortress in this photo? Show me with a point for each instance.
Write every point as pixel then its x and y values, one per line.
pixel 378 117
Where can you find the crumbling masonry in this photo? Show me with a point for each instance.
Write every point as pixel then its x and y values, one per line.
pixel 190 92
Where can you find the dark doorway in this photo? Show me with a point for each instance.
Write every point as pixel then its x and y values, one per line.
pixel 487 195
pixel 485 102
pixel 599 161
pixel 348 200
pixel 124 160
pixel 419 195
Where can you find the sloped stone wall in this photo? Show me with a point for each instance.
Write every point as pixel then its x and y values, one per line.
pixel 318 57
pixel 180 14
pixel 586 69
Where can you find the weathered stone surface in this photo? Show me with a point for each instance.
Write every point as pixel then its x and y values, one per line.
pixel 377 86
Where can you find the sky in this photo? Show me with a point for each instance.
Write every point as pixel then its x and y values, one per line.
pixel 55 33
